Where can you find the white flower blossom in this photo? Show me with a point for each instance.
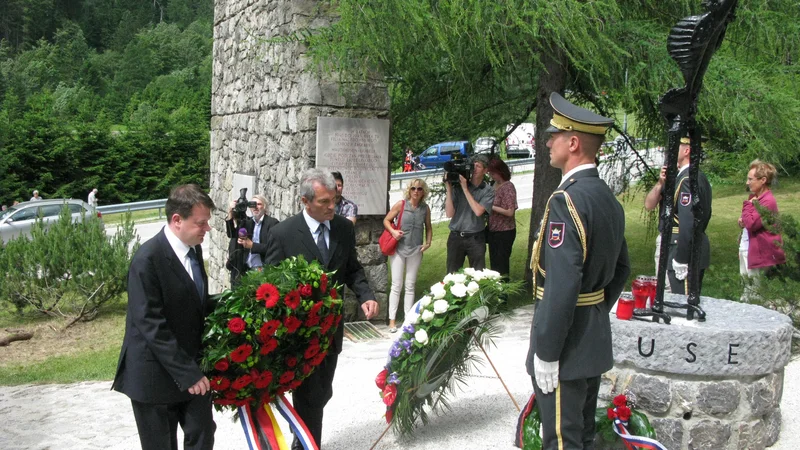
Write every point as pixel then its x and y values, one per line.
pixel 438 291
pixel 421 336
pixel 472 288
pixel 424 301
pixel 470 271
pixel 427 315
pixel 491 274
pixel 459 290
pixel 440 306
pixel 455 278
pixel 478 275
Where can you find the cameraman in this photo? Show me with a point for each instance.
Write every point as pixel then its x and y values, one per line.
pixel 467 205
pixel 246 249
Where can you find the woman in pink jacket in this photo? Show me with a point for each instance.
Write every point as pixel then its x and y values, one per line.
pixel 759 248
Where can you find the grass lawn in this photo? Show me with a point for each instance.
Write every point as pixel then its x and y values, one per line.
pixel 88 351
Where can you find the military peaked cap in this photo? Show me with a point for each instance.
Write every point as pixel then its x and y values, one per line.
pixel 569 117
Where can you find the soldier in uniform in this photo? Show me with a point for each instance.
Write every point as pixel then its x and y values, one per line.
pixel 580 264
pixel 681 241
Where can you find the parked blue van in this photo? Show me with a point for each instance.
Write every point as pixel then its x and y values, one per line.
pixel 436 155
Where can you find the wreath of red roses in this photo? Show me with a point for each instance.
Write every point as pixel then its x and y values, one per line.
pixel 270 333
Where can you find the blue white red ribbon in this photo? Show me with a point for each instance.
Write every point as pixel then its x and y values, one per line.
pixel 296 423
pixel 632 441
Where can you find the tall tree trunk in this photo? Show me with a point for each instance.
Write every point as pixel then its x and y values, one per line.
pixel 545 177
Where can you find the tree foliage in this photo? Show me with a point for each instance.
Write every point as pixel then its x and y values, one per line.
pixel 101 94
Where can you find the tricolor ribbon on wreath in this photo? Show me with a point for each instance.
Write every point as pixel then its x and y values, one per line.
pixel 633 442
pixel 262 431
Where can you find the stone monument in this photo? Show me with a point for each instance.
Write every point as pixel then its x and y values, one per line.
pixel 266 99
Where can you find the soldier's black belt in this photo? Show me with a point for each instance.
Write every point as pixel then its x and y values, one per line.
pixel 586 299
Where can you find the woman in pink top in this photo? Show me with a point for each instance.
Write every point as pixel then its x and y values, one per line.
pixel 759 248
pixel 502 227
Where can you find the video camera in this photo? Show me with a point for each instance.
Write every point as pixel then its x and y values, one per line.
pixel 455 167
pixel 240 209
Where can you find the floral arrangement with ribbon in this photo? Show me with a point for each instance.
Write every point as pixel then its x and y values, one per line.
pixel 433 350
pixel 268 335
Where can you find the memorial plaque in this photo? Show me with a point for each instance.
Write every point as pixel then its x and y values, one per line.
pixel 359 149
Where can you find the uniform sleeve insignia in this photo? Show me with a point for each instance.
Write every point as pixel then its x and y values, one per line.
pixel 555 237
pixel 686 198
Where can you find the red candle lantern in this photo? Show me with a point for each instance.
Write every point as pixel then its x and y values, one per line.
pixel 625 306
pixel 652 283
pixel 641 291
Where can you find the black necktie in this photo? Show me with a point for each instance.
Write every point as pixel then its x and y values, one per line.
pixel 198 277
pixel 323 247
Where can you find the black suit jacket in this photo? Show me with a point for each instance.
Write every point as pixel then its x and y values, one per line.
pixel 238 255
pixel 158 362
pixel 292 238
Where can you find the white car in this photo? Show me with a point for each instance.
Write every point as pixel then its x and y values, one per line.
pixel 485 144
pixel 17 220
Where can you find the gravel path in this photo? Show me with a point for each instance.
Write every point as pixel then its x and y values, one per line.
pixel 90 416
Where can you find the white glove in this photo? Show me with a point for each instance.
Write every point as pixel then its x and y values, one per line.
pixel 681 270
pixel 546 374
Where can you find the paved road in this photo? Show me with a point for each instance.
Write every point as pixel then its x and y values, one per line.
pixel 87 416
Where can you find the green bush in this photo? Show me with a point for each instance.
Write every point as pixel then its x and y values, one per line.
pixel 69 270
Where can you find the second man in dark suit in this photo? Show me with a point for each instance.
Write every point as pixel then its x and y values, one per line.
pixel 167 305
pixel 318 234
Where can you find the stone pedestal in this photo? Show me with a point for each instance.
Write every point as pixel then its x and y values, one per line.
pixel 712 385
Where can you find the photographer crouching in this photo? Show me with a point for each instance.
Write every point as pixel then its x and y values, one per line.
pixel 248 235
pixel 467 204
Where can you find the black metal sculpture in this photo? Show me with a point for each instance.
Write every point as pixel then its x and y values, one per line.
pixel 691 43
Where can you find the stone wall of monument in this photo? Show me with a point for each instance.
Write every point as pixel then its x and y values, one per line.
pixel 265 104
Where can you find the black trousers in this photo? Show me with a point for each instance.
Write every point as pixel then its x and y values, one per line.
pixel 467 245
pixel 568 414
pixel 311 397
pixel 158 424
pixel 500 245
pixel 677 286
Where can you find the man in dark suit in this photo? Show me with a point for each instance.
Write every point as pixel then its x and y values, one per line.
pixel 580 264
pixel 682 240
pixel 247 251
pixel 167 304
pixel 319 234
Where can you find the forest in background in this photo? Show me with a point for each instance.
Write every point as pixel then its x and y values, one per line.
pixel 104 93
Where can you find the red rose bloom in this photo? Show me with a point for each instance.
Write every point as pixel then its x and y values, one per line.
pixel 269 294
pixel 311 352
pixel 220 383
pixel 230 394
pixel 305 290
pixel 292 323
pixel 263 380
pixel 269 345
pixel 240 354
pixel 611 414
pixel 620 400
pixel 317 360
pixel 323 283
pixel 295 384
pixel 236 325
pixel 292 299
pixel 269 328
pixel 389 394
pixel 286 377
pixel 389 414
pixel 306 368
pixel 241 382
pixel 380 380
pixel 327 323
pixel 312 321
pixel 291 361
pixel 221 365
pixel 333 294
pixel 624 413
pixel 315 309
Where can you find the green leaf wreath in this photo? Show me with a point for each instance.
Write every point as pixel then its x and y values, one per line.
pixel 270 333
pixel 432 354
